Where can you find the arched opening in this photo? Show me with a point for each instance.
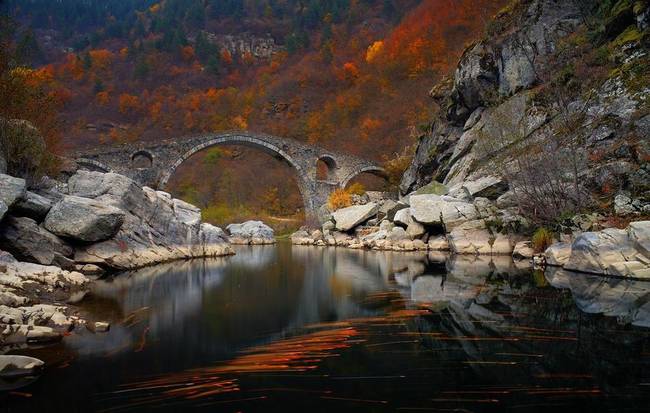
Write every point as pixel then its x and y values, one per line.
pixel 141 160
pixel 370 180
pixel 234 180
pixel 326 169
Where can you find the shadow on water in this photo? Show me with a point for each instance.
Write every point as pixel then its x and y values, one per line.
pixel 288 328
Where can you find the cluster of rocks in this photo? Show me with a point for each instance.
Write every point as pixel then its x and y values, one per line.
pixel 102 222
pixel 612 252
pixel 60 233
pixel 475 217
pixel 251 233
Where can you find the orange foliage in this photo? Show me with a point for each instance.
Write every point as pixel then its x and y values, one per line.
pixel 350 71
pixel 226 57
pixel 128 103
pixel 72 67
pixel 338 199
pixel 101 58
pixel 102 98
pixel 124 53
pixel 248 58
pixel 374 50
pixel 187 53
pixel 369 126
pixel 154 110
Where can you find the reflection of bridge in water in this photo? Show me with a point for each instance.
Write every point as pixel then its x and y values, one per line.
pixel 153 164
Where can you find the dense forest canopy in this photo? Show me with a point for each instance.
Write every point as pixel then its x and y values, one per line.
pixel 351 75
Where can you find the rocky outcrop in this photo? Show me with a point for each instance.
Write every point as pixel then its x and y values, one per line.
pixel 251 233
pixel 103 221
pixel 613 252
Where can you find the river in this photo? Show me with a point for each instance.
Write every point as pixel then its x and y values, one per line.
pixel 282 328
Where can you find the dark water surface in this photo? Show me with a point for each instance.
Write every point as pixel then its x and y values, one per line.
pixel 284 328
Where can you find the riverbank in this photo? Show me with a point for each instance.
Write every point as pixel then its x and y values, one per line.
pixel 480 218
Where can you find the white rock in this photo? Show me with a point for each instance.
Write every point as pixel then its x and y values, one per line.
pixel 437 210
pixel 346 219
pixel 523 250
pixel 12 189
pixel 558 254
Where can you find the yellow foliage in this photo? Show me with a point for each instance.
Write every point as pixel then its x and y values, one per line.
pixel 356 189
pixel 542 239
pixel 374 50
pixel 338 199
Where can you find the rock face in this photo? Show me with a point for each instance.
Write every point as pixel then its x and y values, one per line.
pixel 83 219
pixel 251 232
pixel 492 96
pixel 346 219
pixel 558 254
pixel 25 239
pixel 33 205
pixel 11 189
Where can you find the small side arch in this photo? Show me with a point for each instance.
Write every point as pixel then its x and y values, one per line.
pixel 142 159
pixel 375 170
pixel 326 169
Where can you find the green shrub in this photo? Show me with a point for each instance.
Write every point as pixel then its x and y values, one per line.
pixel 542 239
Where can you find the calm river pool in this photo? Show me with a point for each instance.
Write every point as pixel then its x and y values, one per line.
pixel 282 328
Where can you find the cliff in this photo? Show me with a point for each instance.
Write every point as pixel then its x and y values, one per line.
pixel 554 102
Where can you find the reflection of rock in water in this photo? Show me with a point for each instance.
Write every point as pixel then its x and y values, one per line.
pixel 626 299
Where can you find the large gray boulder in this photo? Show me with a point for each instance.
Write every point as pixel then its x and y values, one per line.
pixel 84 219
pixel 441 210
pixel 558 254
pixel 33 205
pixel 490 187
pixel 11 189
pixel 346 219
pixel 612 252
pixel 251 232
pixel 25 239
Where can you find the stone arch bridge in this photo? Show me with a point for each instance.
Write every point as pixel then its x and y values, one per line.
pixel 153 163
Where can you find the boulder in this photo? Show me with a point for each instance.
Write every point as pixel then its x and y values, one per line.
pixel 83 219
pixel 558 254
pixel 301 238
pixel 11 189
pixel 473 238
pixel 14 366
pixel 25 239
pixel 251 232
pixel 3 209
pixel 389 208
pixel 639 235
pixel 350 217
pixel 186 213
pixel 438 243
pixel 433 188
pixel 436 210
pixel 33 205
pixel 403 217
pixel 212 239
pixel 523 250
pixel 397 234
pixel 415 230
pixel 490 187
pixel 608 252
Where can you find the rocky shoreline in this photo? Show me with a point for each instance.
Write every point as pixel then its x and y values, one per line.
pixel 460 221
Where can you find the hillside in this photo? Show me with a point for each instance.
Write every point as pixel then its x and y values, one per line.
pixel 345 74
